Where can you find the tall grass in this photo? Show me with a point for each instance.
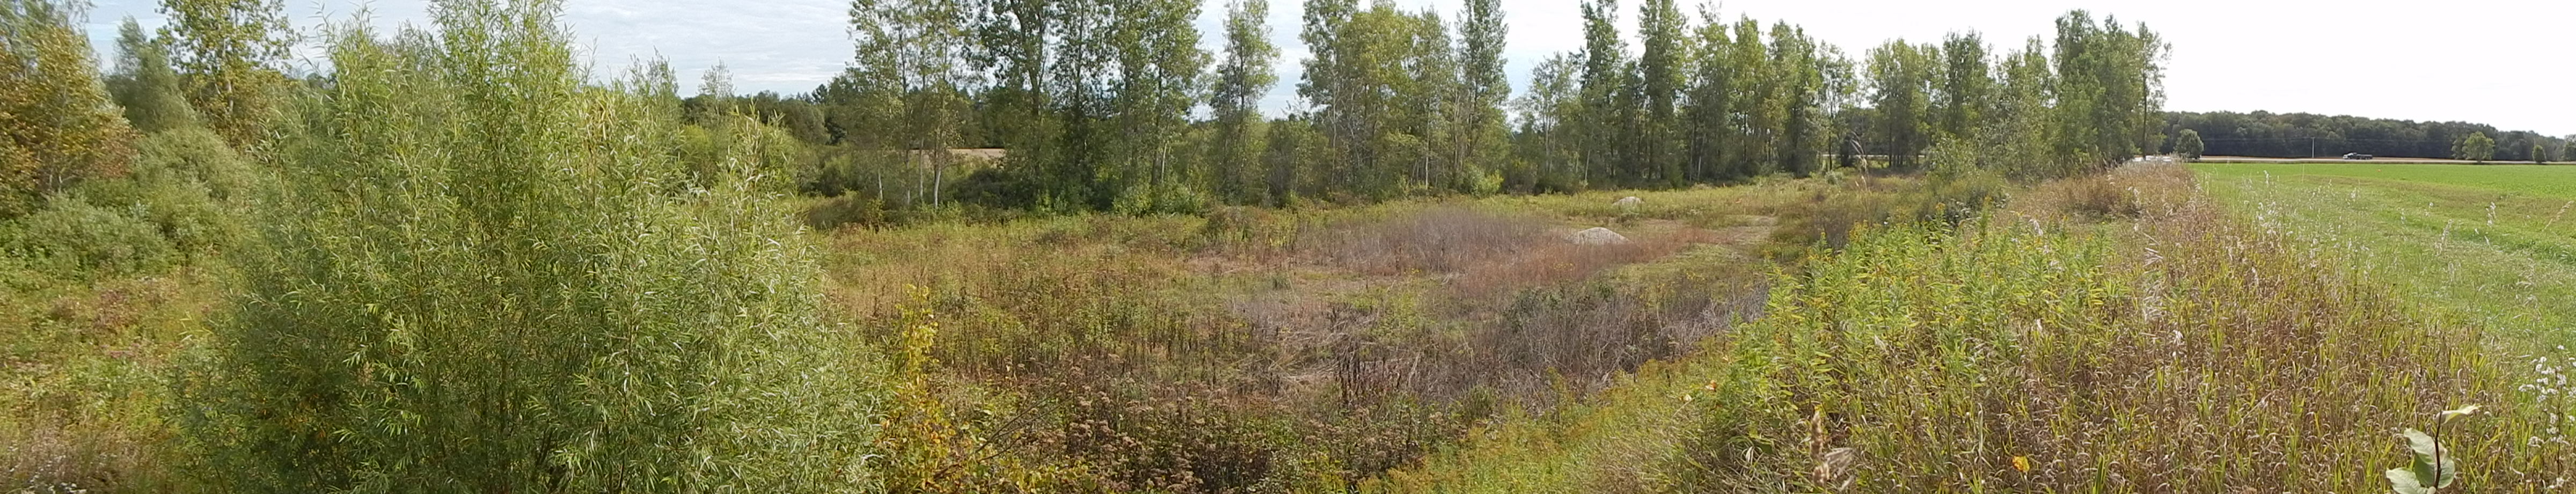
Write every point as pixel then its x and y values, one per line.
pixel 1279 350
pixel 480 275
pixel 2179 352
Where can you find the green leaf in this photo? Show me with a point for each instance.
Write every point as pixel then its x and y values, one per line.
pixel 2419 441
pixel 2425 470
pixel 2403 481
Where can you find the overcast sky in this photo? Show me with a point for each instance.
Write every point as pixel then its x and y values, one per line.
pixel 2506 63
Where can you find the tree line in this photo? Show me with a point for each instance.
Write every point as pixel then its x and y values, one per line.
pixel 2303 135
pixel 1111 105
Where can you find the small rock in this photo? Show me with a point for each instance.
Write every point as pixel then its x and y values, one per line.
pixel 1597 236
pixel 1629 202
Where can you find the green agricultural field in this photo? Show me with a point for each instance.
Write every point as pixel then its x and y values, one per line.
pixel 2485 244
pixel 2538 180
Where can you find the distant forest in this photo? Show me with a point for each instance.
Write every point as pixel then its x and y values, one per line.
pixel 2301 135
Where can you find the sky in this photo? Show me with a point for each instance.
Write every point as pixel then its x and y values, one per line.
pixel 2506 63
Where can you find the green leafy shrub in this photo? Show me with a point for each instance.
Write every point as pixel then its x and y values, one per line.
pixel 194 155
pixel 834 213
pixel 2042 357
pixel 478 275
pixel 73 239
pixel 57 126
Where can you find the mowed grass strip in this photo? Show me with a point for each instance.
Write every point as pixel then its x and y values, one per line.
pixel 2490 245
pixel 2538 180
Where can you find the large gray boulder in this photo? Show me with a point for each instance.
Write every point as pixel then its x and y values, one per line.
pixel 1597 236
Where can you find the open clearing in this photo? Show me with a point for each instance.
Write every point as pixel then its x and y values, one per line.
pixel 2331 160
pixel 2486 244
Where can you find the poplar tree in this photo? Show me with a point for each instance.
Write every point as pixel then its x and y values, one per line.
pixel 1365 82
pixel 1011 44
pixel 1965 95
pixel 1605 68
pixel 1800 74
pixel 145 84
pixel 230 52
pixel 1549 138
pixel 1756 119
pixel 1160 75
pixel 1703 114
pixel 2021 139
pixel 1484 134
pixel 57 125
pixel 915 50
pixel 1901 76
pixel 1327 83
pixel 1434 102
pixel 1242 80
pixel 2109 93
pixel 1663 67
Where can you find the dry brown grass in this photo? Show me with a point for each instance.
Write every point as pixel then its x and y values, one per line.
pixel 84 397
pixel 2051 349
pixel 1255 347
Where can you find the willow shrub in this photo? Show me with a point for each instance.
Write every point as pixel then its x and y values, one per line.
pixel 478 274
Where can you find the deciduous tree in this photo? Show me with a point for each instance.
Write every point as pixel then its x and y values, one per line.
pixel 1663 67
pixel 229 52
pixel 2474 147
pixel 57 125
pixel 145 83
pixel 1965 96
pixel 914 51
pixel 2189 145
pixel 1901 80
pixel 1242 79
pixel 1484 135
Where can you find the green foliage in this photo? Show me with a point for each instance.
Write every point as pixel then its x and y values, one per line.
pixel 1241 81
pixel 2435 467
pixel 145 83
pixel 2539 154
pixel 2475 146
pixel 231 51
pixel 478 275
pixel 2045 353
pixel 1482 131
pixel 2189 145
pixel 1383 81
pixel 57 126
pixel 1662 70
pixel 1902 78
pixel 1967 90
pixel 2303 135
pixel 2109 89
pixel 195 156
pixel 73 239
pixel 1602 125
pixel 1399 106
